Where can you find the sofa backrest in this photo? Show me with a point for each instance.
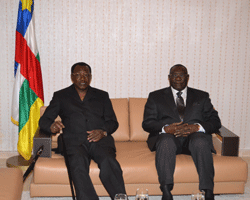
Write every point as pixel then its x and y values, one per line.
pixel 136 110
pixel 120 107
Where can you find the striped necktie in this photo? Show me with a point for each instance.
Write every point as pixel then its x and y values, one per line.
pixel 180 105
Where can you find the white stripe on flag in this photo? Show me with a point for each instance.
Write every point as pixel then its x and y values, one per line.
pixel 30 36
pixel 15 96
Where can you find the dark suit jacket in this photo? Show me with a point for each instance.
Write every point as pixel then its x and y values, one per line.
pixel 94 112
pixel 161 109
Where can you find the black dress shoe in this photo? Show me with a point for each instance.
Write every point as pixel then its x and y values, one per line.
pixel 166 192
pixel 209 195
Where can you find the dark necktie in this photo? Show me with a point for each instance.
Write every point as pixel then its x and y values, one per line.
pixel 180 105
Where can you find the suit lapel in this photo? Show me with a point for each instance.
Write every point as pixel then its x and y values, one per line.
pixel 189 103
pixel 89 95
pixel 73 93
pixel 169 99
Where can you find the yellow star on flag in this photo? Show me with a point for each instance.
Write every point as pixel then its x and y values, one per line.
pixel 26 4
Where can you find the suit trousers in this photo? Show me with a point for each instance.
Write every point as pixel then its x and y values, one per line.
pixel 196 144
pixel 79 157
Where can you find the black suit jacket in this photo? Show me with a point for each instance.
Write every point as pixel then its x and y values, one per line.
pixel 161 109
pixel 94 112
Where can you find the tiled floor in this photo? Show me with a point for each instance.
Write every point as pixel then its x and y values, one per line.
pixel 245 196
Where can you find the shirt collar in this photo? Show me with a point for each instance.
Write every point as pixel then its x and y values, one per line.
pixel 184 93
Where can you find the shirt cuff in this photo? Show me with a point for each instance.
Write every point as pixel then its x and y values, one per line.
pixel 201 129
pixel 162 130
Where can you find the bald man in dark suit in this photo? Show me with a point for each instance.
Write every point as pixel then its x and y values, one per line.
pixel 180 120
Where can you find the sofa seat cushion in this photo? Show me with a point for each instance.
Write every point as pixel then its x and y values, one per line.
pixel 11 183
pixel 135 158
pixel 138 165
pixel 227 169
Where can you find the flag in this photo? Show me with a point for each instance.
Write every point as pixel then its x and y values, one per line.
pixel 28 87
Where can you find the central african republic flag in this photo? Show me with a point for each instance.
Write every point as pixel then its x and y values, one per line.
pixel 28 86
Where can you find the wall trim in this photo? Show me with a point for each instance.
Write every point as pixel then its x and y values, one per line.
pixel 244 152
pixel 7 154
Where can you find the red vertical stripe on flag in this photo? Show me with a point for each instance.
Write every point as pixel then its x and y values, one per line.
pixel 30 69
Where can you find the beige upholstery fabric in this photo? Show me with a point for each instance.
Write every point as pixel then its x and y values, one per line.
pixel 11 183
pixel 136 110
pixel 44 190
pixel 120 107
pixel 138 165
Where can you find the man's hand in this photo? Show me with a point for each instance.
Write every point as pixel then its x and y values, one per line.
pixel 95 135
pixel 184 131
pixel 172 128
pixel 56 127
pixel 189 129
pixel 181 130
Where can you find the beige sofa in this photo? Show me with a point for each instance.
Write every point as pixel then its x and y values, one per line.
pixel 138 162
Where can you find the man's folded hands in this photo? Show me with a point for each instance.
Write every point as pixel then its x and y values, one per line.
pixel 181 130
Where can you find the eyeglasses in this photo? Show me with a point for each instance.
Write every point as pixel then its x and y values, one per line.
pixel 78 75
pixel 178 75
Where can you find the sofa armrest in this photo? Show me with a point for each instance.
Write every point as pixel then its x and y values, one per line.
pixel 42 138
pixel 226 143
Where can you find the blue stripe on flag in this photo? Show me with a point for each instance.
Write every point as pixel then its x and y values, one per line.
pixel 23 18
pixel 16 66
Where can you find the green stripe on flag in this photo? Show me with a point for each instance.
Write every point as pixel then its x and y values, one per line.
pixel 26 99
pixel 38 57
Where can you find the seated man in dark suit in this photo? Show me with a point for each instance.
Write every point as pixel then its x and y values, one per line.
pixel 88 120
pixel 181 120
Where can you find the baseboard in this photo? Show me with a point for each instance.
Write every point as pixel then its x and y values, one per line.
pixel 244 153
pixel 7 154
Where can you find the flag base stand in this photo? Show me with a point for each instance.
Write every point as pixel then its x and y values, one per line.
pixel 18 162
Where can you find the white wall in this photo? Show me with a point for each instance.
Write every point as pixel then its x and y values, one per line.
pixel 131 44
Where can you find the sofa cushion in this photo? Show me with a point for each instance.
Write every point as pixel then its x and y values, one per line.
pixel 120 107
pixel 136 110
pixel 136 160
pixel 138 165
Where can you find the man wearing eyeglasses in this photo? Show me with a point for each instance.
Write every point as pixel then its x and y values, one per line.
pixel 88 120
pixel 180 120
